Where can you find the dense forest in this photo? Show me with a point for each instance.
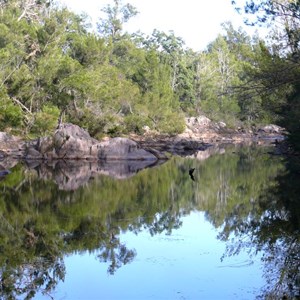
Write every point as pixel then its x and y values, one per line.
pixel 53 66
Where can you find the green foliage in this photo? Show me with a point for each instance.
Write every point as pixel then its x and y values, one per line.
pixel 275 76
pixel 11 116
pixel 115 83
pixel 116 16
pixel 100 124
pixel 171 123
pixel 135 123
pixel 46 120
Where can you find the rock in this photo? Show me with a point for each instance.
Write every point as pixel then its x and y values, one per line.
pixel 7 138
pixel 4 173
pixel 222 124
pixel 8 162
pixel 68 142
pixel 44 144
pixel 123 149
pixel 198 124
pixel 146 129
pixel 202 128
pixel 271 128
pixel 11 145
pixel 72 142
pixel 2 155
pixel 33 154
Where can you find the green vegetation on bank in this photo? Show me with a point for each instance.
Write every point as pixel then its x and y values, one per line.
pixel 109 82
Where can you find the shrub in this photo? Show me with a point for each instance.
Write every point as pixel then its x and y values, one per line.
pixel 46 120
pixel 135 124
pixel 10 115
pixel 172 123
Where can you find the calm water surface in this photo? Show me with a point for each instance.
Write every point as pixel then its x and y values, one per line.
pixel 121 231
pixel 183 265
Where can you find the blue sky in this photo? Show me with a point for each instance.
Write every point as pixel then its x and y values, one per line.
pixel 196 21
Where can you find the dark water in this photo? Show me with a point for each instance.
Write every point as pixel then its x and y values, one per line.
pixel 122 231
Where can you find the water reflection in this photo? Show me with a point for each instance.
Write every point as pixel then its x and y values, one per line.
pixel 71 174
pixel 183 265
pixel 50 212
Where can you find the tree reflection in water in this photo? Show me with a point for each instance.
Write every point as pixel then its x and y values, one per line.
pixel 240 190
pixel 273 228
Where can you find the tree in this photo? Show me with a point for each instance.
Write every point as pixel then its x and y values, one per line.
pixel 278 71
pixel 173 53
pixel 116 16
pixel 217 71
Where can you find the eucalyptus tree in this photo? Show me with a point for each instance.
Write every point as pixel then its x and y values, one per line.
pixel 247 52
pixel 222 74
pixel 216 73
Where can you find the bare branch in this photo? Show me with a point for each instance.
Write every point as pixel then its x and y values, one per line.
pixel 21 105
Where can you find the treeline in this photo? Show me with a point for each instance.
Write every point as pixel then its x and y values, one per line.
pixel 109 82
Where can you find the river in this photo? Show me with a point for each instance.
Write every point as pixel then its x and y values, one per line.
pixel 80 230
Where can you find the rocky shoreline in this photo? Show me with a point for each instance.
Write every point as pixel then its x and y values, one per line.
pixel 71 150
pixel 201 133
pixel 70 141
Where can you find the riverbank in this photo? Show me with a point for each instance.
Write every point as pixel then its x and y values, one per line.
pixel 72 142
pixel 201 132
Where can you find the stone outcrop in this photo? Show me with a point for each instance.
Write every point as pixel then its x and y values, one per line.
pixel 271 129
pixel 201 132
pixel 3 172
pixel 123 149
pixel 203 128
pixel 11 145
pixel 199 128
pixel 68 142
pixel 72 142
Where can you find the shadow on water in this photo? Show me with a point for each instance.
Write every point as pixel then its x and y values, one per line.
pixel 50 211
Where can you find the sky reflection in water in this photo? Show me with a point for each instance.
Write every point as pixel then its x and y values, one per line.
pixel 184 265
pixel 76 230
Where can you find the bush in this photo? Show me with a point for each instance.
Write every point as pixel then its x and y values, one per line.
pixel 46 120
pixel 172 123
pixel 99 125
pixel 10 115
pixel 135 124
